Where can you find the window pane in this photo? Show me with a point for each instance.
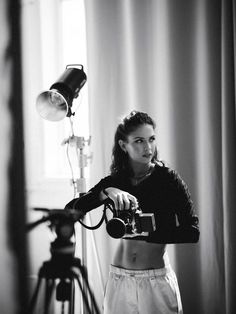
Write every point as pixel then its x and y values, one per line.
pixel 72 49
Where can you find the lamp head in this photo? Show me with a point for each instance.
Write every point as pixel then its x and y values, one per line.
pixel 55 104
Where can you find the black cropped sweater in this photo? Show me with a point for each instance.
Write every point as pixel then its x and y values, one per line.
pixel 163 193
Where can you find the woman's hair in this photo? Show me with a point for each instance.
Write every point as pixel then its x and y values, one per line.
pixel 120 159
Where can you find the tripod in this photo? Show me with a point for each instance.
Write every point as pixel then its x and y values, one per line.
pixel 67 270
pixel 63 267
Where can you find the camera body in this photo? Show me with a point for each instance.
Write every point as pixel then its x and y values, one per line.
pixel 130 223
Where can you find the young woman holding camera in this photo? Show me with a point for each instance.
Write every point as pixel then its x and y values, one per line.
pixel 141 279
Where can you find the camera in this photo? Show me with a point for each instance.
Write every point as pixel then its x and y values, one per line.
pixel 130 223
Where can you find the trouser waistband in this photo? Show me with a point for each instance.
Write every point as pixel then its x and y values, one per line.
pixel 141 273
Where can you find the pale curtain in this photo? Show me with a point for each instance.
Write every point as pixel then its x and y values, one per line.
pixel 13 260
pixel 7 259
pixel 174 60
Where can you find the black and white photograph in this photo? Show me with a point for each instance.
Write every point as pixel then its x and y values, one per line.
pixel 118 157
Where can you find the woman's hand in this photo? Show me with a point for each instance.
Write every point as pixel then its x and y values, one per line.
pixel 122 200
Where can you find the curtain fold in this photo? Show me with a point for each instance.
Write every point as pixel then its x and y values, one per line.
pixel 174 60
pixel 14 262
pixel 229 150
pixel 8 293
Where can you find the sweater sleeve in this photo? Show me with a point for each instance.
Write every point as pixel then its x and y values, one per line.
pixel 91 199
pixel 186 227
pixel 179 234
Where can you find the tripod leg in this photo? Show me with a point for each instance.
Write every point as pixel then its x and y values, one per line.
pixel 84 296
pixel 35 296
pixel 71 308
pixel 50 284
pixel 92 298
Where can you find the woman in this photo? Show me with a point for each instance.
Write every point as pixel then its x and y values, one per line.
pixel 141 279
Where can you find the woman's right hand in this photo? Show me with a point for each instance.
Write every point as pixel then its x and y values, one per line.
pixel 121 199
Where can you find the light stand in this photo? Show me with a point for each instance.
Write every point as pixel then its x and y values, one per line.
pixel 80 188
pixel 54 105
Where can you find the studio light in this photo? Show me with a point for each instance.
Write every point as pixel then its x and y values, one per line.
pixel 55 104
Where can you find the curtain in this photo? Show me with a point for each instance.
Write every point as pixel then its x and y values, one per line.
pixel 174 60
pixel 13 261
pixel 228 151
pixel 6 261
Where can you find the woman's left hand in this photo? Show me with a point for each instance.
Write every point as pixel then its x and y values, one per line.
pixel 121 199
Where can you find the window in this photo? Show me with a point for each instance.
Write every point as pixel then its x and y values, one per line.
pixel 54 36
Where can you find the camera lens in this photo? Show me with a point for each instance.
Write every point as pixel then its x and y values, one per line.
pixel 116 228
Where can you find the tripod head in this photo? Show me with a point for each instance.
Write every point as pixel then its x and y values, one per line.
pixel 62 223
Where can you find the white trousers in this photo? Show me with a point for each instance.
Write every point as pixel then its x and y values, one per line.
pixel 153 291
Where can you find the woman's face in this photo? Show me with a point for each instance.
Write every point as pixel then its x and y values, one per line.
pixel 140 144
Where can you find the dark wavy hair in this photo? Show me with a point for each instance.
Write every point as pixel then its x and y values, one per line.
pixel 120 160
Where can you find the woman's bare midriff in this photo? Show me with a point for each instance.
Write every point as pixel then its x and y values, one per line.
pixel 139 255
